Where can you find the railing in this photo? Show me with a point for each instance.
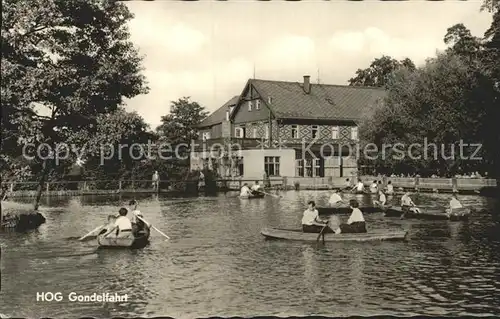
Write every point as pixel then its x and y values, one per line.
pixel 114 186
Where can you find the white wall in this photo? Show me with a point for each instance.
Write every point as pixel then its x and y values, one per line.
pixel 253 162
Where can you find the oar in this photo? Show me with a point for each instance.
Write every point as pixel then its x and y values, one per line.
pixel 87 235
pixel 144 221
pixel 321 233
pixel 273 195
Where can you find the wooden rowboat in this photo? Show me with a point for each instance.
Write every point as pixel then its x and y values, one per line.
pixel 298 235
pixel 254 195
pixel 428 215
pixel 139 240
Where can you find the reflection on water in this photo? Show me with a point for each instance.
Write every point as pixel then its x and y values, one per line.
pixel 217 263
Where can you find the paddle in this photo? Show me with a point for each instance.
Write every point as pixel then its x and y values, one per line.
pixel 273 195
pixel 159 231
pixel 321 233
pixel 91 232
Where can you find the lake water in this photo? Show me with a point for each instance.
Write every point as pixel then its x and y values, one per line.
pixel 217 263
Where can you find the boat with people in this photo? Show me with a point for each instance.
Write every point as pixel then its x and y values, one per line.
pixel 440 214
pixel 344 210
pixel 299 235
pixel 253 195
pixel 138 240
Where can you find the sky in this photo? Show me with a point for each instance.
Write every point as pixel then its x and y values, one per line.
pixel 207 50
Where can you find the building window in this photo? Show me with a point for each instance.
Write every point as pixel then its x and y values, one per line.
pixel 314 131
pixel 206 136
pixel 272 165
pixel 354 133
pixel 295 131
pixel 250 105
pixel 267 131
pixel 257 105
pixel 317 167
pixel 309 170
pixel 238 132
pixel 335 132
pixel 299 164
pixel 227 115
pixel 254 131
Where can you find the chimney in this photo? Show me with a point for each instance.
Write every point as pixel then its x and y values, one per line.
pixel 307 84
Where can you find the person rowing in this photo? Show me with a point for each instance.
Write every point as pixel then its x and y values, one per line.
pixel 137 224
pixel 122 225
pixel 359 187
pixel 245 191
pixel 356 222
pixel 373 187
pixel 311 222
pixel 407 204
pixel 382 200
pixel 454 204
pixel 256 189
pixel 336 199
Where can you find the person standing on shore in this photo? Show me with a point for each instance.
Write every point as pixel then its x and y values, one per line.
pixel 155 179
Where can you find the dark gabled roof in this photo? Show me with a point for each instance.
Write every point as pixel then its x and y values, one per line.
pixel 325 101
pixel 218 115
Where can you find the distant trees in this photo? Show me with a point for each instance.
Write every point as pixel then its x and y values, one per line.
pixel 453 97
pixel 380 71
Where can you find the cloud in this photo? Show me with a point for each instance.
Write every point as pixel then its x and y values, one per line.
pixel 374 42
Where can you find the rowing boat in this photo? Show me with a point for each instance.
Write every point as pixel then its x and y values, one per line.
pixel 428 215
pixel 343 210
pixel 254 195
pixel 137 241
pixel 298 235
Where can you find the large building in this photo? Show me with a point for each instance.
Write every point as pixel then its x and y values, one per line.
pixel 286 129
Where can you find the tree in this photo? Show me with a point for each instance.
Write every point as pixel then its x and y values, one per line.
pixel 462 42
pixel 445 102
pixel 379 72
pixel 179 126
pixel 64 62
pixel 178 130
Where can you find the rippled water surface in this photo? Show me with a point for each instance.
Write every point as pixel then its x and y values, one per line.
pixel 217 263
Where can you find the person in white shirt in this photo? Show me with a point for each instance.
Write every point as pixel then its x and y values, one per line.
pixel 407 204
pixel 355 223
pixel 336 200
pixel 454 204
pixel 359 187
pixel 311 222
pixel 382 200
pixel 122 225
pixel 137 224
pixel 245 191
pixel 155 179
pixel 256 188
pixel 390 188
pixel 373 187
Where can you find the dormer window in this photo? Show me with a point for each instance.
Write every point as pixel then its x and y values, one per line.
pixel 257 105
pixel 354 133
pixel 250 105
pixel 314 131
pixel 335 132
